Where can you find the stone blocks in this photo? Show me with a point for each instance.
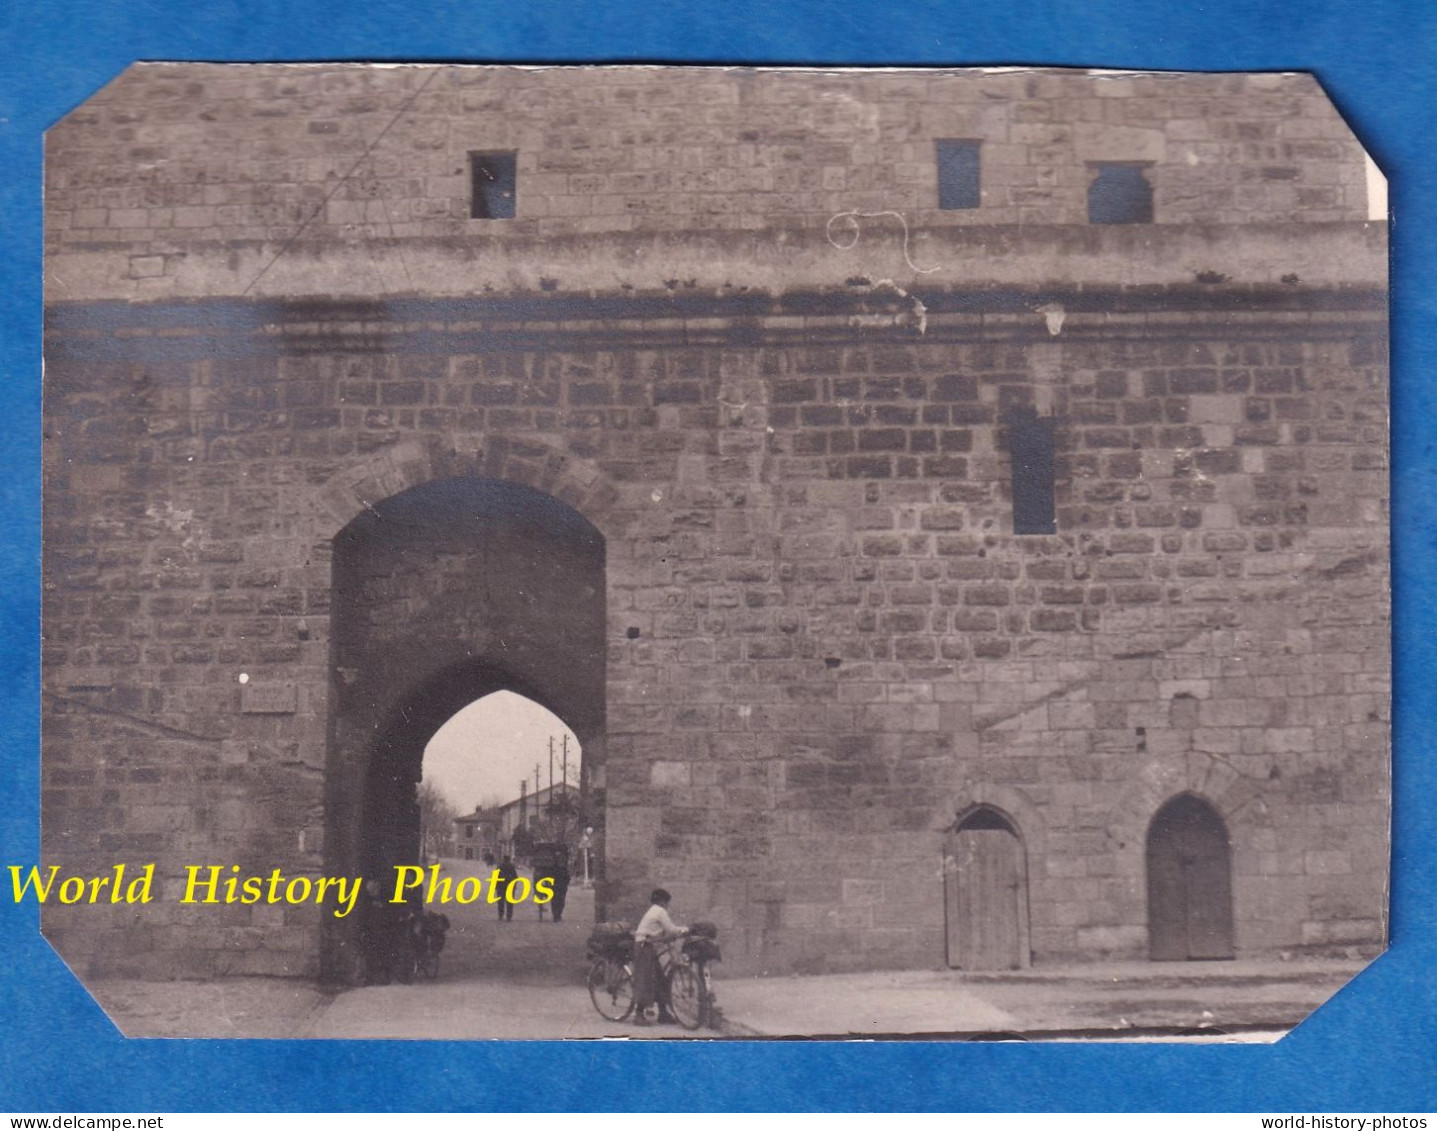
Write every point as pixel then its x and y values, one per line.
pixel 823 640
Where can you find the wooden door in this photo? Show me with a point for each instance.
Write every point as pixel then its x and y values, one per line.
pixel 1189 883
pixel 986 896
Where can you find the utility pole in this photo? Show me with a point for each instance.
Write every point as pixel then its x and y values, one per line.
pixel 523 804
pixel 551 770
pixel 566 764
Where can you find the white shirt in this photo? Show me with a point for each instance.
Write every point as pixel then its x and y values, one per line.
pixel 656 924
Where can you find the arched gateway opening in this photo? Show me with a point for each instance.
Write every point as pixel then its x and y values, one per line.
pixel 1189 882
pixel 502 778
pixel 442 595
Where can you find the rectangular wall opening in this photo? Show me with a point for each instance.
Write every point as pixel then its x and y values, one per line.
pixel 958 174
pixel 493 184
pixel 1120 194
pixel 1030 443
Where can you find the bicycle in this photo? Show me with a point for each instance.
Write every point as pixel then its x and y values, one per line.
pixel 611 970
pixel 691 996
pixel 426 935
pixel 611 988
pixel 687 958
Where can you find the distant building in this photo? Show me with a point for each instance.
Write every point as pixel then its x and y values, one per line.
pixel 515 827
pixel 477 833
pixel 550 815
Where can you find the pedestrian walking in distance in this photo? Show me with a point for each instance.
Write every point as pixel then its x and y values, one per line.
pixel 507 873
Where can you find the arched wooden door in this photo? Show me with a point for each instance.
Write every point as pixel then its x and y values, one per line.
pixel 985 888
pixel 1189 882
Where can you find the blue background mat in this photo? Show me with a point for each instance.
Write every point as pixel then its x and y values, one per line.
pixel 1373 1048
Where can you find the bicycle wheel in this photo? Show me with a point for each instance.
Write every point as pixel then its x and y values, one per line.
pixel 611 988
pixel 686 997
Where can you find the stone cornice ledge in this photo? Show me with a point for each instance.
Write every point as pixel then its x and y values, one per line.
pixel 881 254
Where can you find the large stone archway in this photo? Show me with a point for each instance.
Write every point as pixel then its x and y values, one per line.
pixel 445 593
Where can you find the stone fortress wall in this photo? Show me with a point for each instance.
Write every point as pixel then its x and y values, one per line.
pixel 730 328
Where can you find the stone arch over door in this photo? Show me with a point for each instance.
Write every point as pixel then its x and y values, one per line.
pixel 985 892
pixel 572 480
pixel 443 593
pixel 1189 874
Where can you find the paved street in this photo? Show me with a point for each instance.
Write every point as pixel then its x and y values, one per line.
pixel 524 980
pixel 516 980
pixel 1117 1001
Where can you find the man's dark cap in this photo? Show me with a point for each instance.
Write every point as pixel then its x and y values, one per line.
pixel 659 896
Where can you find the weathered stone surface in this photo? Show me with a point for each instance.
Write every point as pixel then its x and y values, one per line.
pixel 821 640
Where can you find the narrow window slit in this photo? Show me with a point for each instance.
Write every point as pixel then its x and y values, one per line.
pixel 1030 443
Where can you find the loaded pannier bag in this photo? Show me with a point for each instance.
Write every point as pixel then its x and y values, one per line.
pixel 612 940
pixel 702 942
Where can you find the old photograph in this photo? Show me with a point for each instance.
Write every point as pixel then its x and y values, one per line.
pixel 696 552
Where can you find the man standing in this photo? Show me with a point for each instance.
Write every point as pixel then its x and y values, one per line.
pixel 548 864
pixel 560 875
pixel 507 872
pixel 650 985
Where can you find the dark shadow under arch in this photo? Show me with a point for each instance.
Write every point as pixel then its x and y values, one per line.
pixel 986 817
pixel 442 595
